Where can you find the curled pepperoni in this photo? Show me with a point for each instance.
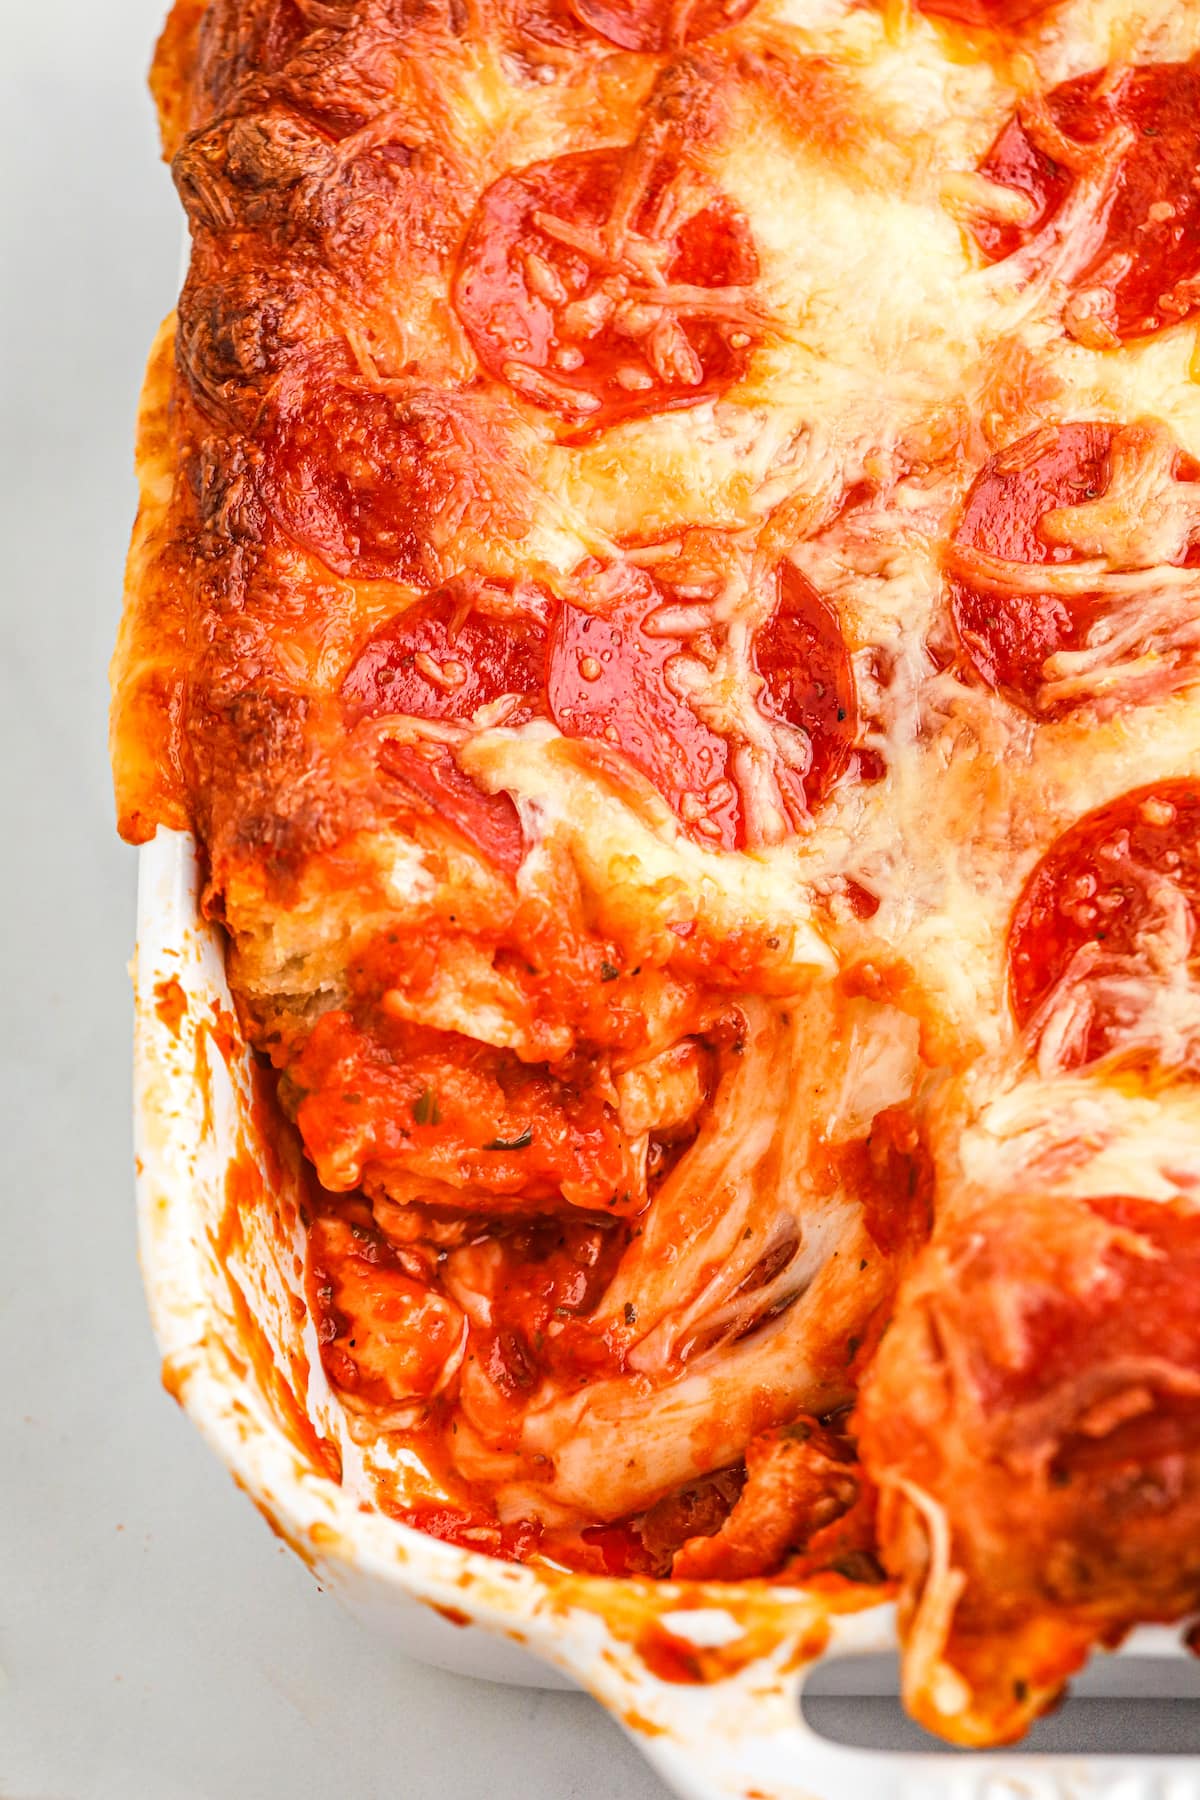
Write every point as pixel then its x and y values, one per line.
pixel 619 677
pixel 600 286
pixel 1144 271
pixel 1106 921
pixel 446 657
pixel 1010 631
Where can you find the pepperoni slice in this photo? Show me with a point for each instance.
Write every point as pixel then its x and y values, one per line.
pixel 1009 636
pixel 808 681
pixel 432 781
pixel 617 677
pixel 588 285
pixel 609 680
pixel 1107 918
pixel 1144 272
pixel 445 658
pixel 1009 633
pixel 347 476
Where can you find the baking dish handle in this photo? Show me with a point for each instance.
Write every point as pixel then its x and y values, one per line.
pixel 748 1739
pixel 785 1759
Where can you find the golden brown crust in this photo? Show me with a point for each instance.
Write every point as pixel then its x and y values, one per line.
pixel 150 663
pixel 171 78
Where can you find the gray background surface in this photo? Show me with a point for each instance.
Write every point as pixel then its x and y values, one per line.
pixel 156 1642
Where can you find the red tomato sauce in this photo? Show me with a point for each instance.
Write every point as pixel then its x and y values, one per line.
pixel 385 1334
pixel 401 1097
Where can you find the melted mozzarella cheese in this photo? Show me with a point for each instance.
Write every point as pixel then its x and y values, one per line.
pixel 1080 1135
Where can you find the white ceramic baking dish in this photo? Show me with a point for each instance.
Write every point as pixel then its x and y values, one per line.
pixel 220 1246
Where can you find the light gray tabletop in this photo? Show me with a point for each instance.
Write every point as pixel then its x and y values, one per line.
pixel 156 1642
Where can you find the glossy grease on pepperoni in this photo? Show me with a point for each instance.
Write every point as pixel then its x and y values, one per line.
pixel 594 321
pixel 1113 900
pixel 348 478
pixel 611 678
pixel 444 658
pixel 808 680
pixel 1145 272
